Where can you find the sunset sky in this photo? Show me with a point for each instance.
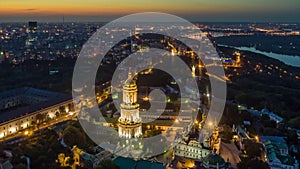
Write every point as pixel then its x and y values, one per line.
pixel 194 10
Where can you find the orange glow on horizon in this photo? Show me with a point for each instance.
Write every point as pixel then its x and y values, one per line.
pixel 96 7
pixel 219 9
pixel 32 7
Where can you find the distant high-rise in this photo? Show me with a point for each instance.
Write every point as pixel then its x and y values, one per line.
pixel 32 24
pixel 32 33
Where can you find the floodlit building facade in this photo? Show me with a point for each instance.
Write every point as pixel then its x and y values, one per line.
pixel 25 107
pixel 191 150
pixel 130 123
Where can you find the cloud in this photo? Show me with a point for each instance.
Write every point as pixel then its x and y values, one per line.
pixel 30 9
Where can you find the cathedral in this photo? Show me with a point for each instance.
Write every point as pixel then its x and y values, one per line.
pixel 129 123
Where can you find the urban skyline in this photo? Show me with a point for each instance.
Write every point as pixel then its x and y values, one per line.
pixel 172 85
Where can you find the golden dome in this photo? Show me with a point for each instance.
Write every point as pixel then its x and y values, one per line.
pixel 130 84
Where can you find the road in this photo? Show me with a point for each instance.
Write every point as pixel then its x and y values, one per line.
pixel 229 151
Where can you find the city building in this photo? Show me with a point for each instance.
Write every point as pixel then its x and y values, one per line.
pixel 215 161
pixel 215 141
pixel 229 62
pixel 272 115
pixel 190 149
pixel 125 163
pixel 265 111
pixel 209 140
pixel 240 135
pixel 129 123
pixel 32 33
pixel 84 159
pixel 277 153
pixel 25 107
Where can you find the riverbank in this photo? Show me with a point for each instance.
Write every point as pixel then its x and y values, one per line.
pixel 265 82
pixel 292 60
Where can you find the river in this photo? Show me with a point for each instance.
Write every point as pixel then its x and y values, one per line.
pixel 287 59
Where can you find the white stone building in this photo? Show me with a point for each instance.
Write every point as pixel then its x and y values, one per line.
pixel 191 150
pixel 24 107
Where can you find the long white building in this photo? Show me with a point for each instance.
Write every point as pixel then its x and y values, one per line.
pixel 191 150
pixel 25 107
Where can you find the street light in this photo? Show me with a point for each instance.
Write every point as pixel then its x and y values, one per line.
pixel 256 138
pixel 146 98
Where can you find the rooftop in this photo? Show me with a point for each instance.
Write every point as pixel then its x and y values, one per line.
pixel 49 99
pixel 274 146
pixel 125 163
pixel 213 159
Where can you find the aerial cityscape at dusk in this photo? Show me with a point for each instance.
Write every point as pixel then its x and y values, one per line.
pixel 192 84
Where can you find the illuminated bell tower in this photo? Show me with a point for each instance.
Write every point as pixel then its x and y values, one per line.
pixel 129 122
pixel 193 71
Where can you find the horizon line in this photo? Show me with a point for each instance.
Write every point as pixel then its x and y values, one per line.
pixel 192 21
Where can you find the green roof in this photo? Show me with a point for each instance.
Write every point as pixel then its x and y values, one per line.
pixel 213 159
pixel 273 151
pixel 128 163
pixel 88 157
pixel 286 159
